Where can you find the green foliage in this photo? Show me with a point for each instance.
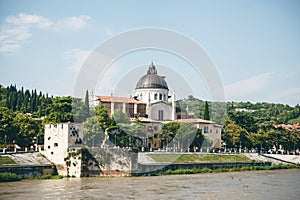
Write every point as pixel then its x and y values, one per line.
pixel 93 134
pixel 24 101
pixel 9 177
pixel 193 158
pixel 169 131
pixel 217 110
pixel 102 116
pixel 26 129
pixel 235 135
pixel 183 135
pixel 206 112
pixel 86 105
pixel 7 129
pixel 120 117
pixel 60 110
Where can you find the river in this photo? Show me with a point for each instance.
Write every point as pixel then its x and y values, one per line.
pixel 277 184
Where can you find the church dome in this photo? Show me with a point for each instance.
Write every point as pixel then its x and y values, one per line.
pixel 151 80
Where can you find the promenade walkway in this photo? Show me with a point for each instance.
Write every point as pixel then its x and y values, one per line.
pixel 29 158
pixel 275 158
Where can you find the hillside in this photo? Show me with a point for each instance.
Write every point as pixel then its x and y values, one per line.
pixel 263 113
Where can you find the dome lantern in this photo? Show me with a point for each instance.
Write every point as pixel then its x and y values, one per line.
pixel 152 80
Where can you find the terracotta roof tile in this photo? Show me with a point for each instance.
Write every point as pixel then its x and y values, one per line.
pixel 118 99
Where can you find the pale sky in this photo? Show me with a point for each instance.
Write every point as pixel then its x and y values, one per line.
pixel 255 45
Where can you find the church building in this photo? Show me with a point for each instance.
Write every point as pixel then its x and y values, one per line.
pixel 154 105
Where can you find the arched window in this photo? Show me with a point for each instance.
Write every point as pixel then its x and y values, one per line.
pixel 141 96
pixel 155 96
pixel 160 96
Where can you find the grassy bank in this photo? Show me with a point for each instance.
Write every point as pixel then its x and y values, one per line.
pixel 194 158
pixel 9 177
pixel 218 170
pixel 5 160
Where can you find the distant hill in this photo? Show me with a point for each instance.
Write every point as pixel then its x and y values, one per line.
pixel 263 113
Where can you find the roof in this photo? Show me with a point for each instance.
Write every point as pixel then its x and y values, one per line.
pixel 195 120
pixel 152 80
pixel 118 99
pixel 146 120
pixel 288 126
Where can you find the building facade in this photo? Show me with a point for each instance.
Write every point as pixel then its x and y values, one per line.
pixel 154 106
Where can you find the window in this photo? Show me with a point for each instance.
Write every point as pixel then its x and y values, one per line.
pixel 216 130
pixel 160 115
pixel 165 97
pixel 55 144
pixel 155 128
pixel 160 96
pixel 155 96
pixel 205 129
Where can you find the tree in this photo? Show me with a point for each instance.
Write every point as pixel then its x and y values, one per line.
pixel 60 110
pixel 235 135
pixel 87 105
pixel 129 135
pixel 26 129
pixel 78 110
pixel 33 101
pixel 7 129
pixel 102 116
pixel 185 135
pixel 244 120
pixel 93 134
pixel 206 112
pixel 13 100
pixel 169 131
pixel 120 117
pixel 181 135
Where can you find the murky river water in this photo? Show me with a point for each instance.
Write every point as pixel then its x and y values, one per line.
pixel 279 184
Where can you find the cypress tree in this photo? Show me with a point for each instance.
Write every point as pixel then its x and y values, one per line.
pixel 14 99
pixel 19 100
pixel 86 104
pixel 7 99
pixel 206 112
pixel 26 101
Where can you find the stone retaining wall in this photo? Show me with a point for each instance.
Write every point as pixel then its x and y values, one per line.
pixel 144 169
pixel 30 170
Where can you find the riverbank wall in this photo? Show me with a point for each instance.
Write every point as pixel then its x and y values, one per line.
pixel 28 164
pixel 158 168
pixel 29 171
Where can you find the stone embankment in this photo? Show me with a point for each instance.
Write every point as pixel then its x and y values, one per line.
pixel 34 158
pixel 146 165
pixel 275 158
pixel 28 164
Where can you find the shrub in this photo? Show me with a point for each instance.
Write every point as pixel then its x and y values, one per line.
pixel 206 170
pixel 8 177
